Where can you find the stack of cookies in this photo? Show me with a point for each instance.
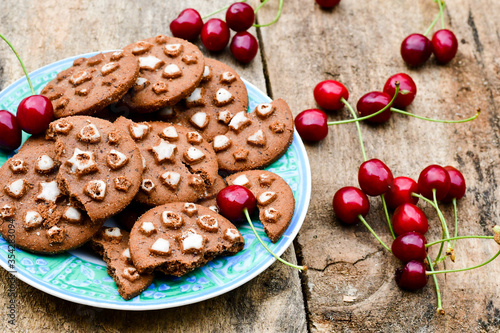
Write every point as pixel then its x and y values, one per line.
pixel 153 126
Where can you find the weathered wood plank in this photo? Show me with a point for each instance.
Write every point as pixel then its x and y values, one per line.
pixel 47 31
pixel 358 43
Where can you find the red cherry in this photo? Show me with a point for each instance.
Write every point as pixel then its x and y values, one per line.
pixel 240 16
pixel 311 125
pixel 407 89
pixel 187 25
pixel 375 178
pixel 412 276
pixel 444 45
pixel 244 46
pixel 215 35
pixel 35 113
pixel 233 199
pixel 327 3
pixel 328 95
pixel 409 217
pixel 434 177
pixel 457 184
pixel 416 49
pixel 372 102
pixel 350 202
pixel 410 246
pixel 10 132
pixel 400 192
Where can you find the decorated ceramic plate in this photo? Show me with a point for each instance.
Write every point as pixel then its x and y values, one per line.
pixel 80 276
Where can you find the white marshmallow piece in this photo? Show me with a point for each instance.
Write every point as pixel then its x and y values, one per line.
pixel 221 142
pixel 170 133
pixel 148 228
pixel 33 219
pixel 239 121
pixel 264 110
pixel 81 161
pixel 200 120
pixel 257 138
pixel 267 197
pixel 172 71
pixel 45 163
pixel 206 72
pixel 192 241
pixel 227 77
pixel 241 180
pixel 147 185
pixel 49 191
pixel 126 253
pixel 225 116
pixel 16 188
pixel 164 151
pixel 223 97
pixel 194 155
pixel 113 232
pixel 161 246
pixel 89 133
pixel 72 214
pixel 139 131
pixel 232 233
pixel 195 96
pixel 109 68
pixel 118 162
pixel 171 178
pixel 150 63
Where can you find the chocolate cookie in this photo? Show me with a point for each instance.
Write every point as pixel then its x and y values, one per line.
pixel 209 198
pixel 34 213
pixel 101 167
pixel 256 139
pixel 177 238
pixel 170 69
pixel 92 84
pixel 179 165
pixel 274 199
pixel 220 95
pixel 113 245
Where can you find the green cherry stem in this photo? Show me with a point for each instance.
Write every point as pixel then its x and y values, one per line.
pixel 464 269
pixel 346 103
pixel 20 61
pixel 440 214
pixel 260 6
pixel 362 219
pixel 436 285
pixel 355 119
pixel 432 24
pixel 478 112
pixel 441 12
pixel 384 204
pixel 219 10
pixel 456 238
pixel 278 15
pixel 302 268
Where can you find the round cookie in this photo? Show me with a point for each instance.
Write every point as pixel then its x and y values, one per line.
pixel 274 199
pixel 34 213
pixel 220 95
pixel 177 238
pixel 92 84
pixel 112 245
pixel 255 139
pixel 179 165
pixel 170 69
pixel 101 167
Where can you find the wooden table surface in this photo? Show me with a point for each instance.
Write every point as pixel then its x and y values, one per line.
pixel 357 43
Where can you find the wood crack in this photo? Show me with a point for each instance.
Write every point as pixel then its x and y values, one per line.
pixel 345 262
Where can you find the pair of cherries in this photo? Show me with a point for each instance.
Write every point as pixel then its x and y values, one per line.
pixel 409 222
pixel 34 115
pixel 416 49
pixel 215 33
pixel 331 95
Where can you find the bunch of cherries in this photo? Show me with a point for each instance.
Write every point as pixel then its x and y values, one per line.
pixel 416 49
pixel 34 115
pixel 375 107
pixel 215 33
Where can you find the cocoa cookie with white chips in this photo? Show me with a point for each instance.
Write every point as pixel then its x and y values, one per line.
pixel 44 220
pixel 170 69
pixel 179 165
pixel 177 238
pixel 209 109
pixel 274 199
pixel 92 84
pixel 101 167
pixel 113 245
pixel 255 139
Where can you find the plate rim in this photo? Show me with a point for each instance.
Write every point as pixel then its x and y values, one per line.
pixel 196 299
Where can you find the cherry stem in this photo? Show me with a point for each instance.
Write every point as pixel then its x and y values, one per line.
pixel 436 285
pixel 432 24
pixel 458 237
pixel 278 15
pixel 20 61
pixel 440 214
pixel 357 127
pixel 302 268
pixel 478 112
pixel 464 269
pixel 382 196
pixel 330 123
pixel 455 213
pixel 260 6
pixel 373 232
pixel 219 10
pixel 441 12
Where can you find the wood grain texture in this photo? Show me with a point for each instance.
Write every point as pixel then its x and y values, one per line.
pixel 50 30
pixel 358 44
